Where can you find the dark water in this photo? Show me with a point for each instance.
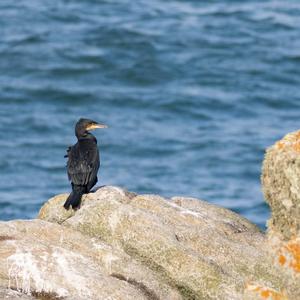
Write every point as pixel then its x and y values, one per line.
pixel 193 92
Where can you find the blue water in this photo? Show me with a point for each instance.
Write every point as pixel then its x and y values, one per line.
pixel 192 91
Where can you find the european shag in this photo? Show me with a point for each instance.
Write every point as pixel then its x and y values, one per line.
pixel 83 162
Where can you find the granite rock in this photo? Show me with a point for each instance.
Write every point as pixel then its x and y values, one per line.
pixel 201 250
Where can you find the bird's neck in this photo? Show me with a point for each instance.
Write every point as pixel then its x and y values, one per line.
pixel 86 136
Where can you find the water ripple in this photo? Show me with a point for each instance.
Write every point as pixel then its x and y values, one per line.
pixel 193 92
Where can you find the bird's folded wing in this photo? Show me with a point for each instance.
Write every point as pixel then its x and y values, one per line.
pixel 82 168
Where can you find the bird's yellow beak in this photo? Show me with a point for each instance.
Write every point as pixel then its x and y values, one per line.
pixel 95 126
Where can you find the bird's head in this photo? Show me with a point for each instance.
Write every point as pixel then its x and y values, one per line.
pixel 83 126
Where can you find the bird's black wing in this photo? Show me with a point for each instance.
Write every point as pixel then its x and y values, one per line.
pixel 68 150
pixel 83 164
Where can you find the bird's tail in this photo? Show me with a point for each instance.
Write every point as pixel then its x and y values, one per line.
pixel 74 198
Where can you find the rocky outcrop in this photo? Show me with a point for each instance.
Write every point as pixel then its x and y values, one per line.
pixel 201 250
pixel 281 187
pixel 41 258
pixel 120 245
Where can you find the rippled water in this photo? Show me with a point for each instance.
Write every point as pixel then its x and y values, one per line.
pixel 193 92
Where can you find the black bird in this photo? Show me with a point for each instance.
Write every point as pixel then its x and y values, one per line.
pixel 83 162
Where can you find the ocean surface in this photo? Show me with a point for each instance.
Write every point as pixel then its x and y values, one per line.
pixel 192 91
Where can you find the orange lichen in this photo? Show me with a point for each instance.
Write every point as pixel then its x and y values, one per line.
pixel 282 259
pixel 294 249
pixel 280 145
pixel 266 293
pixel 296 146
pixel 297 134
pixel 289 255
pixel 291 140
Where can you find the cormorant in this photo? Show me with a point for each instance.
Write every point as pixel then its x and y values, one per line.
pixel 83 162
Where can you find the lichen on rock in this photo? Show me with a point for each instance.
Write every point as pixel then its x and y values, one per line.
pixel 281 187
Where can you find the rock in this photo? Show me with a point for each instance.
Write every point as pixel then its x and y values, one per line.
pixel 9 294
pixel 41 258
pixel 201 250
pixel 281 187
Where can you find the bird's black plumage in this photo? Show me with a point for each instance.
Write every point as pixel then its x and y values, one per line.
pixel 83 162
